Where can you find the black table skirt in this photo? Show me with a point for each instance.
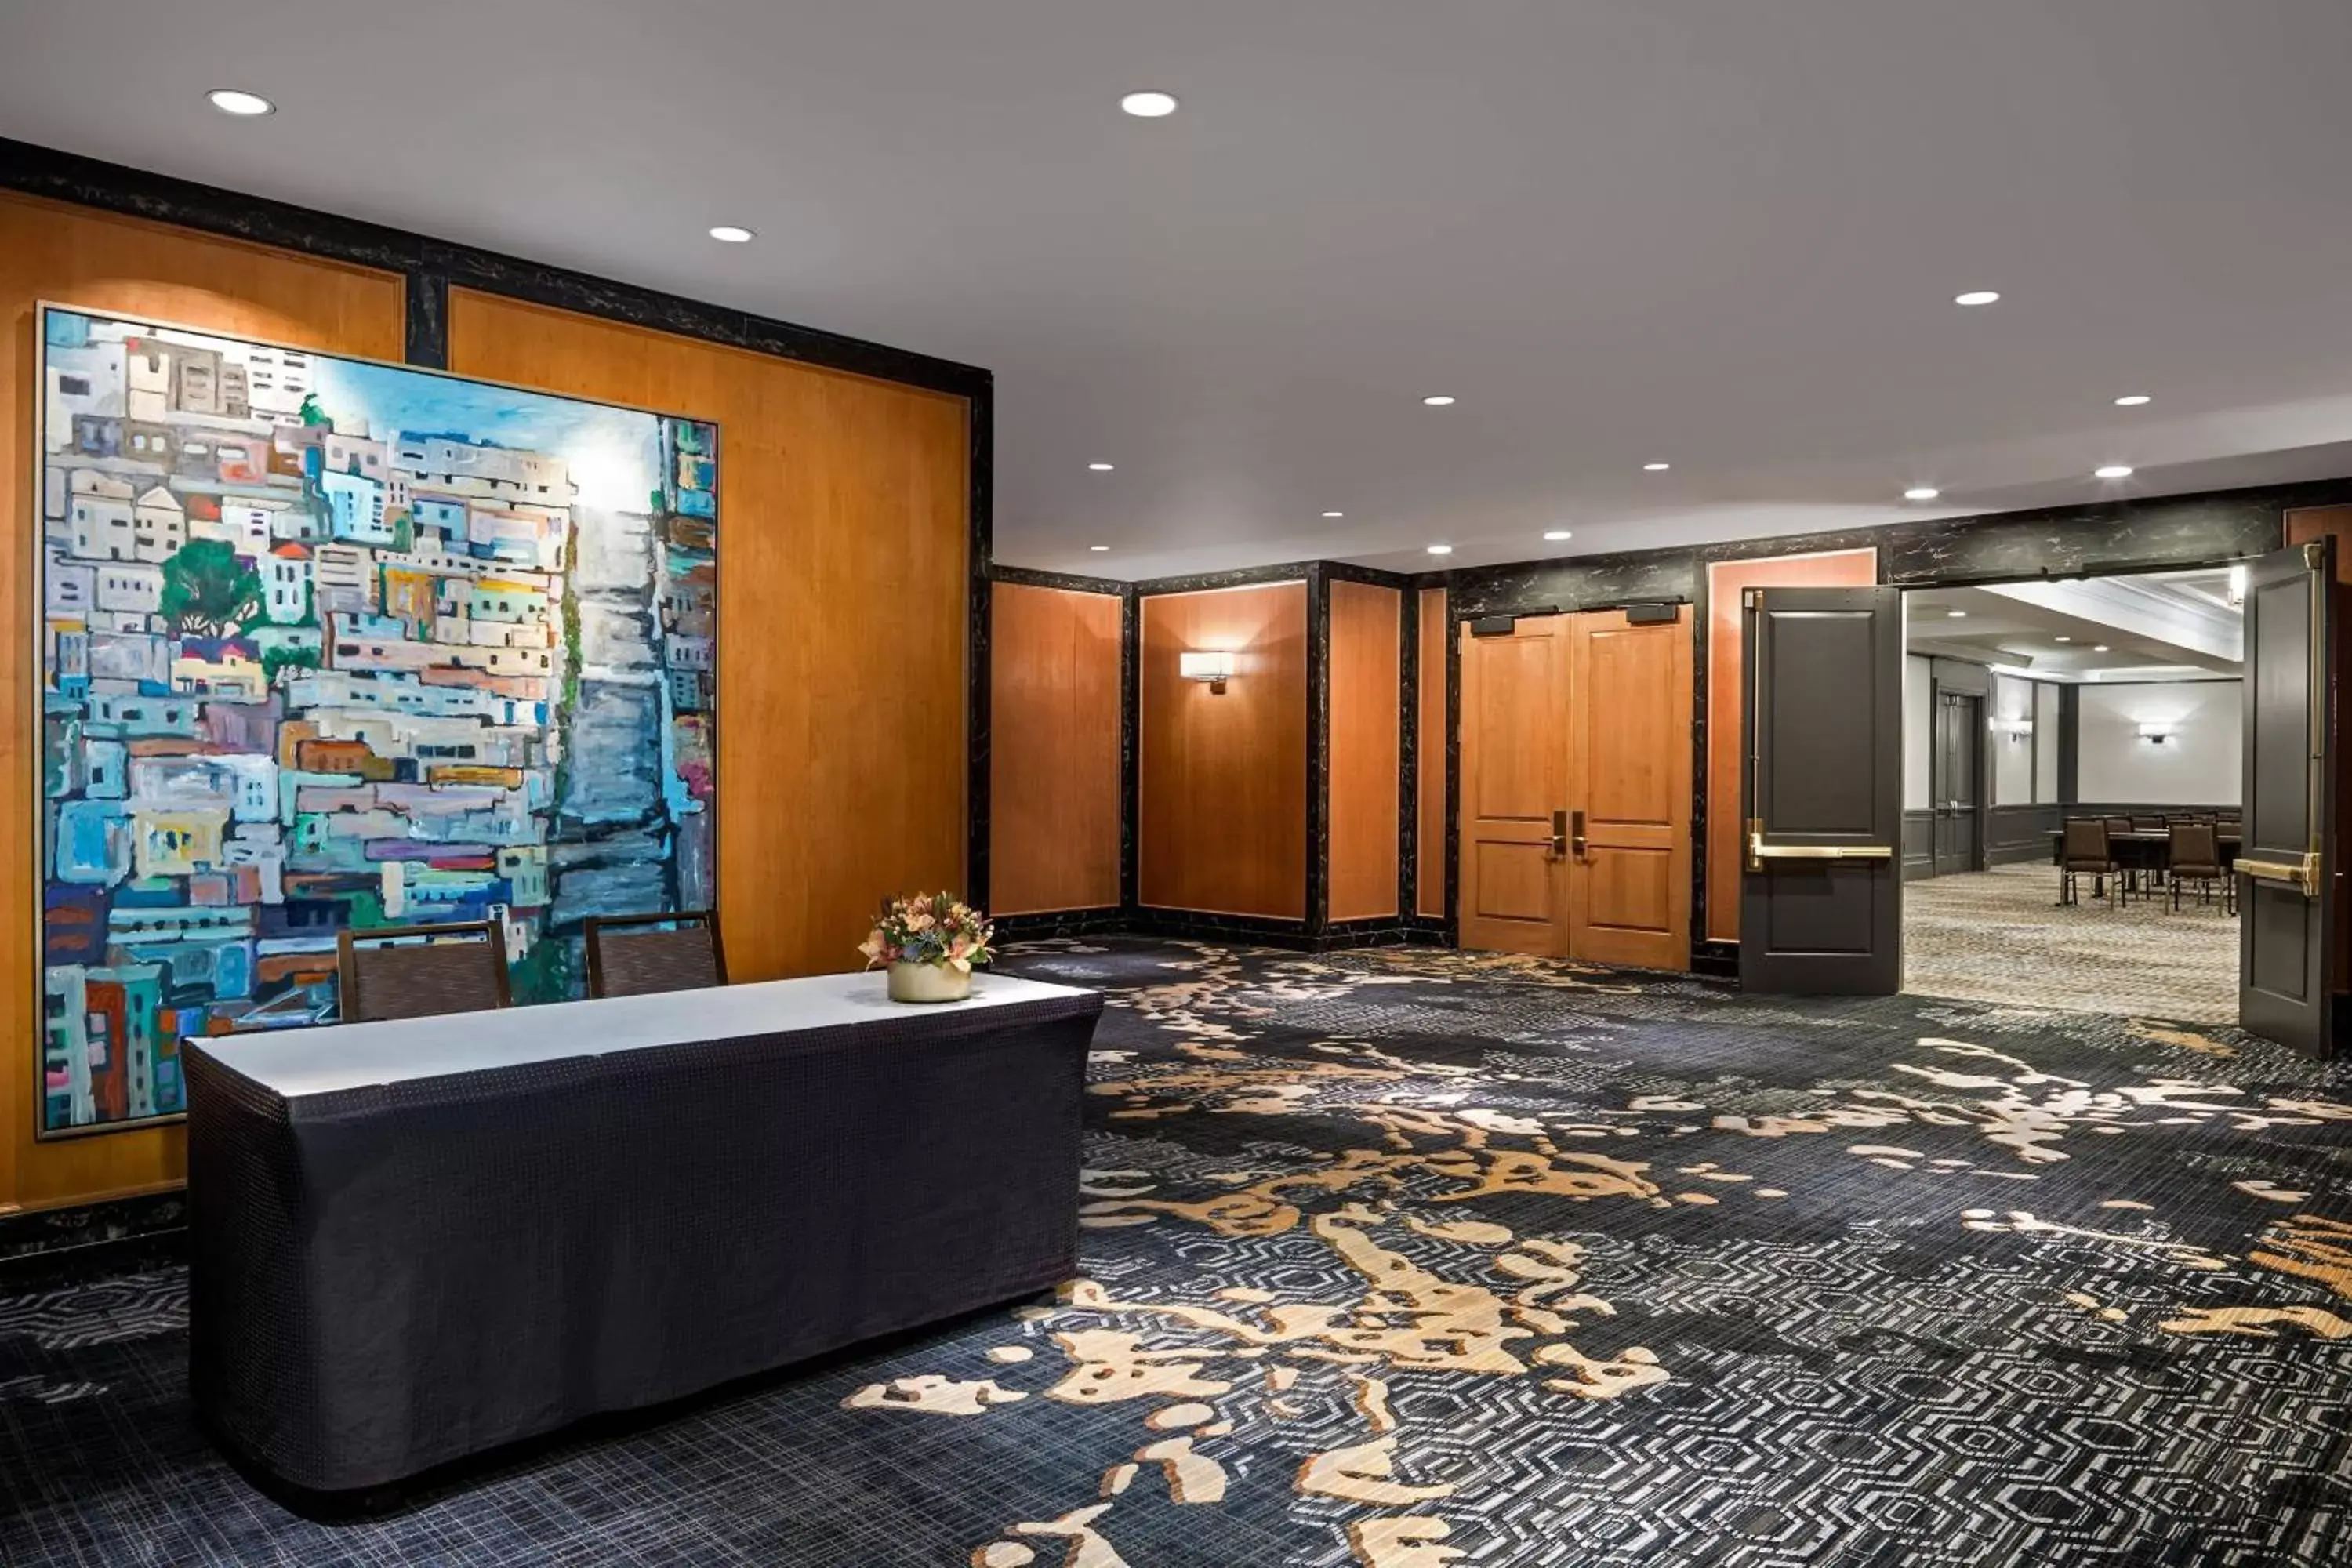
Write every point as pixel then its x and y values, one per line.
pixel 385 1280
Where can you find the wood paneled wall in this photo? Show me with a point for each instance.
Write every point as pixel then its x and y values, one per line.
pixel 1365 748
pixel 1221 804
pixel 1053 752
pixel 844 524
pixel 1429 757
pixel 70 256
pixel 1726 665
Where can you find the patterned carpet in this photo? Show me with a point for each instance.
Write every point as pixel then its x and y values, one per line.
pixel 2001 936
pixel 1402 1259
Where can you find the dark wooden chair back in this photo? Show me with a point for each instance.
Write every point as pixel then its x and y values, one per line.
pixel 2147 823
pixel 420 972
pixel 628 957
pixel 2086 844
pixel 2195 850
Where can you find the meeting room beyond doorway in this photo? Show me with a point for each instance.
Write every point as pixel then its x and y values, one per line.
pixel 2072 793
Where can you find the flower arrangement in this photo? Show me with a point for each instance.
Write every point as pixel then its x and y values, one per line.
pixel 932 943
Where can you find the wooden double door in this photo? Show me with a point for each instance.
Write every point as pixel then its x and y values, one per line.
pixel 1575 835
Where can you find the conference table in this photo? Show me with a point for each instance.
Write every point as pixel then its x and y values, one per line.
pixel 2147 849
pixel 418 1240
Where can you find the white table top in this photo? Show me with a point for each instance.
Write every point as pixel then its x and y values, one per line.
pixel 295 1062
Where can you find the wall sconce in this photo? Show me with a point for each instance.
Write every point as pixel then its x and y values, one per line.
pixel 2015 728
pixel 1216 668
pixel 2237 587
pixel 2158 732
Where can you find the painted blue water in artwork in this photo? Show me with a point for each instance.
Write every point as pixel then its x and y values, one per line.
pixel 329 643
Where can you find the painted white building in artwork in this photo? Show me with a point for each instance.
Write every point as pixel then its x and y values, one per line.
pixel 98 517
pixel 286 585
pixel 159 525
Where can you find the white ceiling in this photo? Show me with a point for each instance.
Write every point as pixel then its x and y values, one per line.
pixel 1721 234
pixel 2154 625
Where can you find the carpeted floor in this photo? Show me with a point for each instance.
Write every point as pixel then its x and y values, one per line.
pixel 1400 1260
pixel 2001 936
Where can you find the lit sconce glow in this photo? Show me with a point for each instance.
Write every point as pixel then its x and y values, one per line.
pixel 2158 732
pixel 2015 728
pixel 2237 587
pixel 1214 667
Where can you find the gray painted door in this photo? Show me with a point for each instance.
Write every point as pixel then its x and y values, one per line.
pixel 2290 786
pixel 1959 722
pixel 1820 909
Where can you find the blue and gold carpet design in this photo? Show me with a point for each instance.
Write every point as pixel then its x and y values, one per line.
pixel 1403 1260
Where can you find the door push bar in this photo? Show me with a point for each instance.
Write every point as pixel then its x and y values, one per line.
pixel 2301 871
pixel 1759 852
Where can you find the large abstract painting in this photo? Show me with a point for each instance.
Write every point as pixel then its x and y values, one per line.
pixel 327 643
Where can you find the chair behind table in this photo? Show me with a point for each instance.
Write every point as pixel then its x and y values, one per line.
pixel 628 957
pixel 421 972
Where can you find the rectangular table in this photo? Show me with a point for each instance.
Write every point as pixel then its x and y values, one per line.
pixel 419 1240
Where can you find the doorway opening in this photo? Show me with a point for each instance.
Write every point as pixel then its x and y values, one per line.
pixel 2073 769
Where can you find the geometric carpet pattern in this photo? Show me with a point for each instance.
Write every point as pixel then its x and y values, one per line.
pixel 1404 1259
pixel 2003 936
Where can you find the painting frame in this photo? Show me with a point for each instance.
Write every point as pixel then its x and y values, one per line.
pixel 661 546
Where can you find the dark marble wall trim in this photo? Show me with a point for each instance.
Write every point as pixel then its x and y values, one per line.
pixel 1241 577
pixel 1453 618
pixel 1318 748
pixel 1130 706
pixel 1408 753
pixel 1060 923
pixel 2070 741
pixel 427 340
pixel 1071 581
pixel 979 646
pixel 112 1237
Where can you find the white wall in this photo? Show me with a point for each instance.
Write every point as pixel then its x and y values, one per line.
pixel 2012 758
pixel 1918 733
pixel 2199 766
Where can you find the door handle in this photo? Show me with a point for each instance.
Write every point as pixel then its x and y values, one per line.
pixel 1758 852
pixel 1577 832
pixel 1560 836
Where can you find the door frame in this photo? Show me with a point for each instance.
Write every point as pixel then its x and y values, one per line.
pixel 1962 678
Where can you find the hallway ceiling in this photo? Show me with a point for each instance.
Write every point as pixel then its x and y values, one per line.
pixel 2150 626
pixel 1619 232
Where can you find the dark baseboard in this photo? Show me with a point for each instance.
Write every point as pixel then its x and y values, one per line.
pixel 111 1237
pixel 1717 959
pixel 1059 922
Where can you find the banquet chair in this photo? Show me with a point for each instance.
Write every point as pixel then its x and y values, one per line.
pixel 2197 857
pixel 421 972
pixel 687 957
pixel 2087 853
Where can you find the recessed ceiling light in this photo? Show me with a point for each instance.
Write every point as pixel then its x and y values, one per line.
pixel 732 234
pixel 1557 534
pixel 2062 639
pixel 1099 549
pixel 1957 614
pixel 1441 550
pixel 2102 647
pixel 1656 467
pixel 1440 401
pixel 1150 105
pixel 2112 471
pixel 1101 468
pixel 1976 297
pixel 1921 492
pixel 2133 400
pixel 229 100
pixel 1335 514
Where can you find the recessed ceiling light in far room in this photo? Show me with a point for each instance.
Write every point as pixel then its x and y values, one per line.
pixel 1099 549
pixel 1441 550
pixel 1440 401
pixel 2134 400
pixel 1956 615
pixel 1656 467
pixel 1977 297
pixel 1150 105
pixel 245 105
pixel 2112 471
pixel 1557 534
pixel 1921 492
pixel 1101 468
pixel 2102 647
pixel 732 234
pixel 1335 514
pixel 2062 639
